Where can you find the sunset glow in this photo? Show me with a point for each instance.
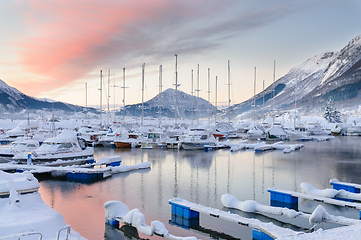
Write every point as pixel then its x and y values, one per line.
pixel 50 46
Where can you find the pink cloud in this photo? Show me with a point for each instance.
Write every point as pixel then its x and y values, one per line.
pixel 65 39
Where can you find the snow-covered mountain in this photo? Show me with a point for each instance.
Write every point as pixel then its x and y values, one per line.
pixel 329 75
pixel 12 100
pixel 165 102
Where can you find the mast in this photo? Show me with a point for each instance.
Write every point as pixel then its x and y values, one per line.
pixel 263 101
pixel 215 115
pixel 254 98
pixel 143 66
pixel 209 88
pixel 197 90
pixel 159 96
pixel 124 94
pixel 176 90
pixel 52 113
pixel 101 92
pixel 114 86
pixel 108 98
pixel 229 92
pixel 86 102
pixel 273 92
pixel 192 93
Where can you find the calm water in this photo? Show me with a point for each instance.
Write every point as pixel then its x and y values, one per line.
pixel 203 177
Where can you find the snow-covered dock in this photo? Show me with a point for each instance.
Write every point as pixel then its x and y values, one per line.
pixel 281 195
pixel 317 138
pixel 79 173
pixel 187 209
pixel 262 146
pixel 116 212
pixel 350 187
pixel 332 193
pixel 316 217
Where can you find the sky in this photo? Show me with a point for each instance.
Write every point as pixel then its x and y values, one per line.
pixel 57 49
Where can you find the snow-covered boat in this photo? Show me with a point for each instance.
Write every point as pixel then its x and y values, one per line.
pixel 153 140
pixel 105 140
pixel 24 214
pixel 276 133
pixel 90 134
pixel 65 146
pixel 336 130
pixel 198 139
pixel 315 129
pixel 23 129
pixel 256 133
pixel 354 131
pixel 127 139
pixel 20 145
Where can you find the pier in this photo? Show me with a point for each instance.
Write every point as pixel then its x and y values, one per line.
pixel 188 211
pixel 86 173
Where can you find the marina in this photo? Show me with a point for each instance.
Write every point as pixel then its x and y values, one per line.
pixel 145 120
pixel 200 177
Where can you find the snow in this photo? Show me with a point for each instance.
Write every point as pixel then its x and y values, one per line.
pixel 319 215
pixel 137 219
pixel 348 232
pixel 64 136
pixel 310 189
pixel 126 168
pixel 268 228
pixel 119 211
pixel 330 193
pixel 108 160
pixel 27 213
pixel 19 181
pixel 252 206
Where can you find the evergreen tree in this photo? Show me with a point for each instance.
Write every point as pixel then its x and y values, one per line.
pixel 332 115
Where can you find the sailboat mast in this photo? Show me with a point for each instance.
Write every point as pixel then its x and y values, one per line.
pixel 101 93
pixel 143 66
pixel 123 94
pixel 192 93
pixel 176 90
pixel 114 86
pixel 86 102
pixel 209 88
pixel 215 115
pixel 263 101
pixel 197 93
pixel 159 96
pixel 229 92
pixel 254 97
pixel 273 92
pixel 108 98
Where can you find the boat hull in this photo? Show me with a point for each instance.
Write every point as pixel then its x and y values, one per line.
pixel 122 144
pixel 196 146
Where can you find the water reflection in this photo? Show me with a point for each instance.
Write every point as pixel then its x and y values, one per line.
pixel 203 177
